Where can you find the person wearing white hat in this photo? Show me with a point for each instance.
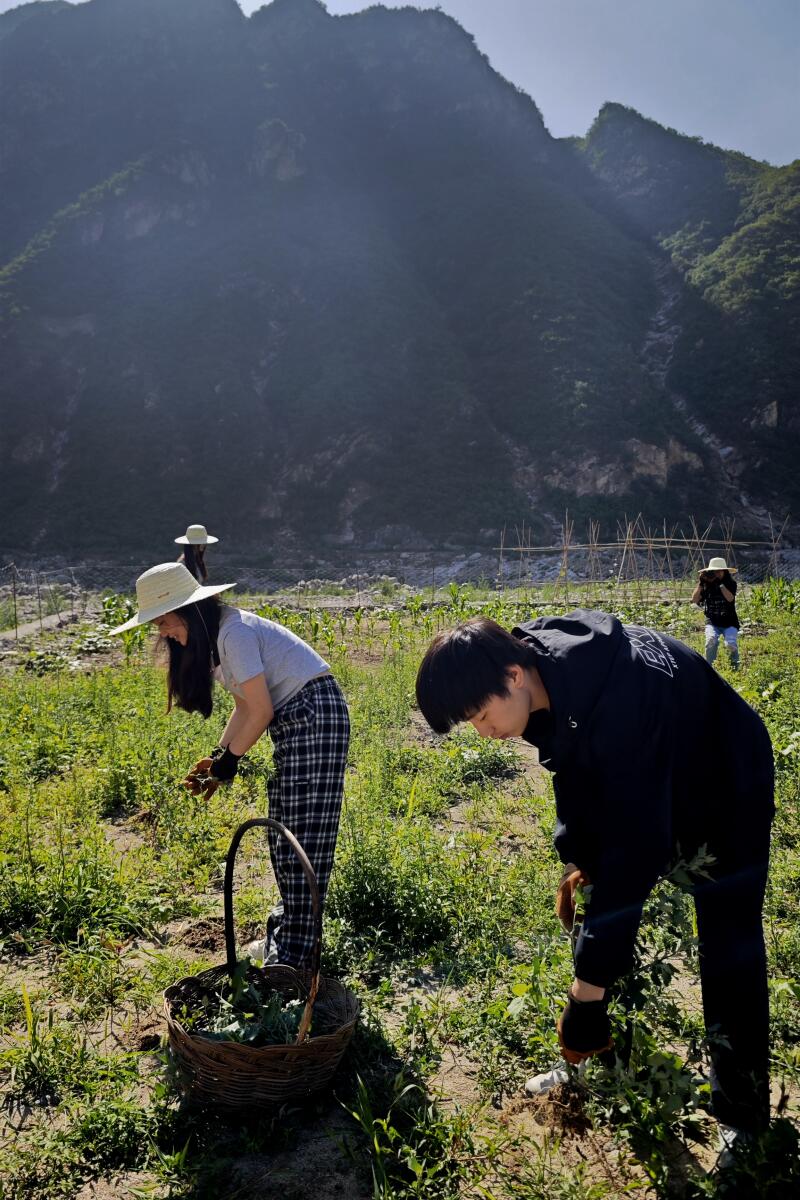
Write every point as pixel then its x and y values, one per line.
pixel 193 557
pixel 715 593
pixel 279 684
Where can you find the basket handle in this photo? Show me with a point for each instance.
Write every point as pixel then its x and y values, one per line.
pixel 311 879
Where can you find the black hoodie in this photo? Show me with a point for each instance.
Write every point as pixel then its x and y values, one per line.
pixel 653 755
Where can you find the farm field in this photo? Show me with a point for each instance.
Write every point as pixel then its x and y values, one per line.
pixel 440 916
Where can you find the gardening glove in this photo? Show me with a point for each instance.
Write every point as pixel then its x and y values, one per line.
pixel 203 765
pixel 225 766
pixel 208 773
pixel 571 880
pixel 584 1029
pixel 197 777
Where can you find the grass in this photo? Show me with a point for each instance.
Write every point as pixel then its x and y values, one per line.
pixel 440 915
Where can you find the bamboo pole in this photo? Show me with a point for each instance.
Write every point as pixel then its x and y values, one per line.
pixel 594 564
pixel 54 598
pixel 14 600
pixel 39 600
pixel 623 555
pixel 637 578
pixel 776 540
pixel 567 531
pixel 669 561
pixel 640 543
pixel 727 524
pixel 647 557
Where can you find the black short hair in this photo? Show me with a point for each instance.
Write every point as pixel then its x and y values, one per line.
pixel 464 667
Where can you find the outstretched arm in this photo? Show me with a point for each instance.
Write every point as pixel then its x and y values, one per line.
pixel 251 716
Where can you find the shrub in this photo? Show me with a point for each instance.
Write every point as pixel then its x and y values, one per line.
pixel 395 886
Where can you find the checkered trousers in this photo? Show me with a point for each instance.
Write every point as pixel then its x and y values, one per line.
pixel 310 736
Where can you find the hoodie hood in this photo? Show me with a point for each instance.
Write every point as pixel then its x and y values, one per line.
pixel 575 656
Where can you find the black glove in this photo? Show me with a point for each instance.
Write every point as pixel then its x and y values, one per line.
pixel 208 773
pixel 584 1029
pixel 224 767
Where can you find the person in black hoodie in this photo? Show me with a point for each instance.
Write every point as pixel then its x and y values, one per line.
pixel 651 750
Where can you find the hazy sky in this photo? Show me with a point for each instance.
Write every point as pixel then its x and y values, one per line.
pixel 725 70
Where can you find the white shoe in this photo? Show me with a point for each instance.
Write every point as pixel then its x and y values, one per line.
pixel 539 1085
pixel 730 1139
pixel 261 951
pixel 255 950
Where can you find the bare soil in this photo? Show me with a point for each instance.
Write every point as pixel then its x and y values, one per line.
pixel 455 1082
pixel 206 934
pixel 317 1167
pixel 555 1128
pixel 117 1187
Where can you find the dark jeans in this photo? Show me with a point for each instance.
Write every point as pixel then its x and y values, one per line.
pixel 733 978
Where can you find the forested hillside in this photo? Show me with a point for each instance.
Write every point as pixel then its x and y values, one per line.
pixel 331 281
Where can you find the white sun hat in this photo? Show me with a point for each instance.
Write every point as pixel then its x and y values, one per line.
pixel 196 535
pixel 164 588
pixel 718 564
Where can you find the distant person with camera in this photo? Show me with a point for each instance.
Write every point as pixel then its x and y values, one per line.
pixel 716 595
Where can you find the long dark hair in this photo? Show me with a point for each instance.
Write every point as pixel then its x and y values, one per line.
pixel 190 679
pixel 194 559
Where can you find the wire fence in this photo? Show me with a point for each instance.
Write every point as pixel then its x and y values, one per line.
pixel 640 562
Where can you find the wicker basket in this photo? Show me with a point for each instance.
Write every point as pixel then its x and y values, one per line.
pixel 232 1075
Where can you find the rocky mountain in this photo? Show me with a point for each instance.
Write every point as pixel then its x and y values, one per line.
pixel 731 228
pixel 330 281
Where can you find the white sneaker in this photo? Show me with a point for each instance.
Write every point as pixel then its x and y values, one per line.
pixel 538 1085
pixel 255 950
pixel 261 951
pixel 730 1139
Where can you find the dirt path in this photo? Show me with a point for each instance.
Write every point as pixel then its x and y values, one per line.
pixel 32 628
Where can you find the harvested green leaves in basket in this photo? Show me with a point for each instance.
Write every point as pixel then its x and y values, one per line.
pixel 247 1012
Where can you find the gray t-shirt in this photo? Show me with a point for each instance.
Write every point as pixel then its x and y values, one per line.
pixel 249 645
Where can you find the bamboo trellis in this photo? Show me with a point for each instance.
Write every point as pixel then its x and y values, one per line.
pixel 641 560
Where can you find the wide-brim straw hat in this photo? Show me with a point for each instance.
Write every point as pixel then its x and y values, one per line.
pixel 196 535
pixel 719 564
pixel 165 588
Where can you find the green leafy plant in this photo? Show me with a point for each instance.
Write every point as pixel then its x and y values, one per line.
pixel 116 611
pixel 413 1149
pixel 245 1011
pixel 48 1061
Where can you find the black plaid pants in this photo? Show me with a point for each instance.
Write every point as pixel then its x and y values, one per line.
pixel 310 736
